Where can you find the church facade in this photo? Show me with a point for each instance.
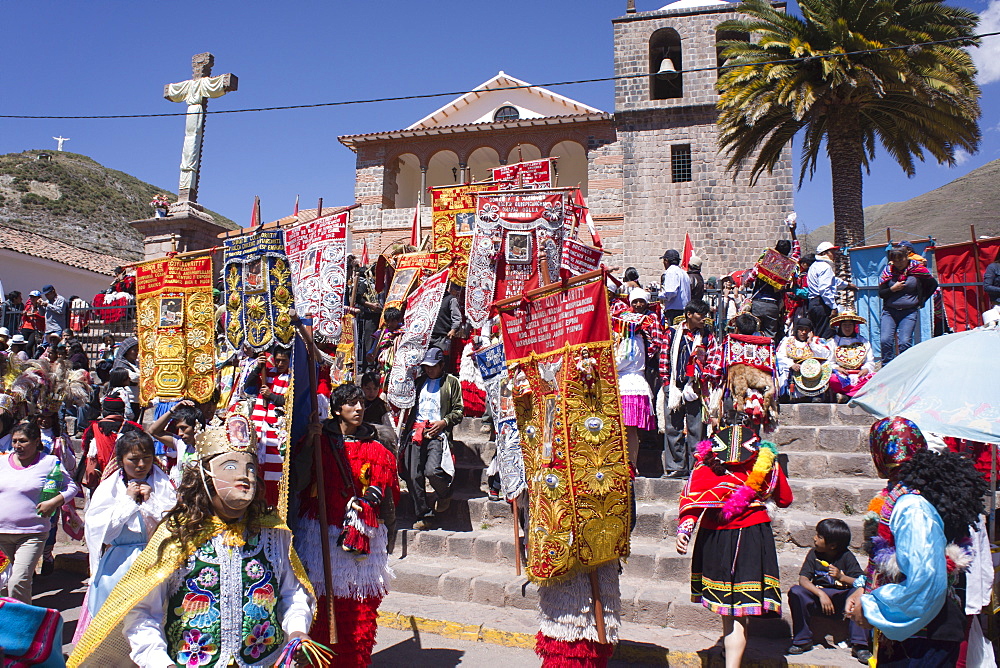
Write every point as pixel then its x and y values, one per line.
pixel 651 171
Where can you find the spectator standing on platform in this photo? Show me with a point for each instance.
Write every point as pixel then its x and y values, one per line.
pixel 54 306
pixel 12 308
pixel 991 281
pixel 33 321
pixel 823 284
pixel 695 277
pixel 675 287
pixel 904 285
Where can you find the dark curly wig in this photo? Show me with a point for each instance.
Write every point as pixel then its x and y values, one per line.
pixel 951 484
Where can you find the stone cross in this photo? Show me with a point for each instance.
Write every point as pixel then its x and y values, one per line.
pixel 61 140
pixel 195 93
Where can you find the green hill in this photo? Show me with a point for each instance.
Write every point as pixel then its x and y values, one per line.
pixel 73 199
pixel 944 213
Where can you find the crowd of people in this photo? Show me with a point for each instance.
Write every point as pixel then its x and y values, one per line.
pixel 188 492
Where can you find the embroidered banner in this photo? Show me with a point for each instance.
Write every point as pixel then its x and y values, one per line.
pixel 343 368
pixel 454 224
pixel 427 262
pixel 317 253
pixel 421 311
pixel 531 174
pixel 175 320
pixel 565 389
pixel 517 235
pixel 510 460
pixel 258 291
pixel 579 258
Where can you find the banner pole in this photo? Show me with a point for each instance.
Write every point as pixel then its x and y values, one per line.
pixel 317 439
pixel 595 593
pixel 517 537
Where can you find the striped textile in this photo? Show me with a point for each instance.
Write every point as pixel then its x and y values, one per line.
pixel 269 442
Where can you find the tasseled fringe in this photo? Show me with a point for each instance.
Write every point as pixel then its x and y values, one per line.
pixel 353 577
pixel 959 558
pixel 575 654
pixel 566 607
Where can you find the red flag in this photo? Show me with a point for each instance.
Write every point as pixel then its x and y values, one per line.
pixel 415 232
pixel 255 214
pixel 296 212
pixel 581 205
pixel 365 260
pixel 688 251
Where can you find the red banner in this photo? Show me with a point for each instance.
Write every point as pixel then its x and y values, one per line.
pixel 317 253
pixel 426 261
pixel 961 283
pixel 532 174
pixel 579 258
pixel 575 316
pixel 454 224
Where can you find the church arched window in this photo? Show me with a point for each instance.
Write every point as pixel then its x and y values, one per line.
pixel 506 113
pixel 665 65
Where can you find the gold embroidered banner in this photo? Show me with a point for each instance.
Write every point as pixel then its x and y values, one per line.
pixel 176 328
pixel 564 379
pixel 453 224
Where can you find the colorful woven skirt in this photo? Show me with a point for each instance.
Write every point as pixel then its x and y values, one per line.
pixel 734 572
pixel 637 401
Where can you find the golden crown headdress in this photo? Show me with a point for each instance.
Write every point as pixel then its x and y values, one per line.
pixel 235 433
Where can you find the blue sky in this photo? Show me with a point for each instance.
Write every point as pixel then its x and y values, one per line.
pixel 77 58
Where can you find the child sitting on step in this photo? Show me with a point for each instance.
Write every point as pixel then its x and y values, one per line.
pixel 825 582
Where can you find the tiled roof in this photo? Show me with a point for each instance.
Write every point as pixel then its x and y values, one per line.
pixel 351 141
pixel 46 248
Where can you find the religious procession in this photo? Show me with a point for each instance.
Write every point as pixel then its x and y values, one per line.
pixel 493 411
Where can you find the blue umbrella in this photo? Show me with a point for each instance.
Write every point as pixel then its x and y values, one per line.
pixel 949 385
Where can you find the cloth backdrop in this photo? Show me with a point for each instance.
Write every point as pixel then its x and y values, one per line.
pixel 176 330
pixel 317 252
pixel 866 265
pixel 259 297
pixel 961 278
pixel 565 385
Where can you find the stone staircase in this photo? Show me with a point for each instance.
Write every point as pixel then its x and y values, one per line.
pixel 470 557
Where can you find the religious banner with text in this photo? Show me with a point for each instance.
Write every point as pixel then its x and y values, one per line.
pixel 518 236
pixel 561 362
pixel 421 311
pixel 317 253
pixel 454 224
pixel 259 299
pixel 492 365
pixel 579 258
pixel 175 322
pixel 531 174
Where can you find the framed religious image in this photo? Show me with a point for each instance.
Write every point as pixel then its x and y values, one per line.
pixel 401 284
pixel 518 247
pixel 465 224
pixel 171 311
pixel 238 431
pixel 253 277
pixel 549 424
pixel 310 262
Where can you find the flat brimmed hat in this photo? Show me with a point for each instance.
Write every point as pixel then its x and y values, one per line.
pixel 847 316
pixel 735 444
pixel 18 339
pixel 813 377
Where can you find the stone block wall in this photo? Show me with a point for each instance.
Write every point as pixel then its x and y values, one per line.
pixel 729 220
pixel 604 197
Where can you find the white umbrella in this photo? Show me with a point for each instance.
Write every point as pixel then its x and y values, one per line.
pixel 949 385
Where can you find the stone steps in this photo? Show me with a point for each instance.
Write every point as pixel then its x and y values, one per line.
pixel 480 569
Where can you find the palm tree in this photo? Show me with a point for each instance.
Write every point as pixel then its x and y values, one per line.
pixel 911 100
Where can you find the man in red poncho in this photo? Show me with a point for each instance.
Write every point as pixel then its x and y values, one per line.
pixel 362 491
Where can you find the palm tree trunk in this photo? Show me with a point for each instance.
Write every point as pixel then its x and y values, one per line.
pixel 846 157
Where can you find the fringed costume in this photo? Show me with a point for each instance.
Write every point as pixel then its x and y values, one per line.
pixel 734 565
pixel 362 490
pixel 568 634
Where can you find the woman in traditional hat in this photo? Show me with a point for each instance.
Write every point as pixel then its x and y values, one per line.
pixel 734 564
pixel 853 360
pixel 792 352
pixel 637 337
